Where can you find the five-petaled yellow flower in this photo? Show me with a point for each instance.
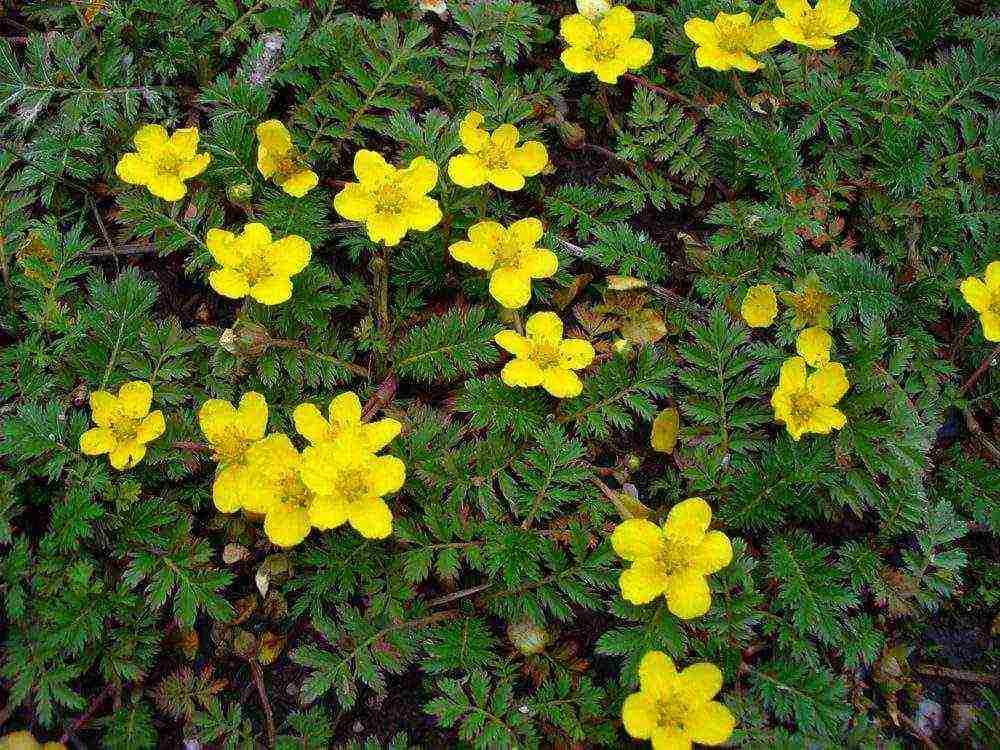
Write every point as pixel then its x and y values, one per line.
pixel 344 425
pixel 983 295
pixel 231 432
pixel 26 741
pixel 351 482
pixel 495 158
pixel 390 201
pixel 730 41
pixel 544 357
pixel 673 561
pixel 509 256
pixel 760 306
pixel 278 159
pixel 813 345
pixel 814 27
pixel 162 163
pixel 807 403
pixel 254 264
pixel 603 45
pixel 124 424
pixel 674 709
pixel 811 304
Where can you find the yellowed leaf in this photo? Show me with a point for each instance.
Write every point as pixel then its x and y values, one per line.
pixel 643 327
pixel 663 437
pixel 621 283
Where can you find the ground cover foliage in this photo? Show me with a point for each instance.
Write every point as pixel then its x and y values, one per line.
pixel 864 585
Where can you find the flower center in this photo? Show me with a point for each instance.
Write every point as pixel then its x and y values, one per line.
pixel 670 713
pixel 254 267
pixel 168 162
pixel 354 485
pixel 292 490
pixel 803 404
pixel 674 557
pixel 287 167
pixel 995 303
pixel 733 36
pixel 604 49
pixel 390 198
pixel 812 24
pixel 546 354
pixel 125 429
pixel 508 254
pixel 232 446
pixel 495 157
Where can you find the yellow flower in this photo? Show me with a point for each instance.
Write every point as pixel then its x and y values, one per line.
pixel 352 482
pixel 279 160
pixel 605 45
pixel 344 425
pixel 813 345
pixel 495 157
pixel 544 357
pixel 25 741
pixel 730 40
pixel 509 256
pixel 810 306
pixel 592 8
pixel 163 163
pixel 984 297
pixel 254 264
pixel 814 27
pixel 390 201
pixel 674 709
pixel 231 432
pixel 760 306
pixel 673 561
pixel 286 509
pixel 807 404
pixel 124 424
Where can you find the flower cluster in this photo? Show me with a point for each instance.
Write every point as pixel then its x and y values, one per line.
pixel 336 479
pixel 125 425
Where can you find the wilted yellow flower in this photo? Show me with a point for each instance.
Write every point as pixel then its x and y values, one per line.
pixel 509 256
pixel 162 163
pixel 288 500
pixel 544 357
pixel 124 424
pixel 231 432
pixel 760 306
pixel 984 297
pixel 278 159
pixel 495 158
pixel 344 425
pixel 25 741
pixel 730 40
pixel 806 404
pixel 603 45
pixel 814 27
pixel 254 264
pixel 673 561
pixel 352 482
pixel 592 8
pixel 811 305
pixel 674 709
pixel 813 345
pixel 390 201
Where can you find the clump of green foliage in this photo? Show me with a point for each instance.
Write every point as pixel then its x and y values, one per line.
pixel 865 574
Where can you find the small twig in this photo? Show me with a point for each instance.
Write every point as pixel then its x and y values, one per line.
pixel 458 595
pixel 979 372
pixel 961 675
pixel 915 731
pixel 671 95
pixel 258 678
pixel 976 430
pixel 192 447
pixel 143 248
pixel 382 397
pixel 292 344
pixel 94 705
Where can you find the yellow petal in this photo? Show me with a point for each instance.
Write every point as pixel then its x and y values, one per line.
pixel 977 294
pixel 287 525
pixel 701 32
pixel 151 138
pixel 421 176
pixel 134 398
pixel 527 231
pixel 513 342
pixel 578 59
pixel 763 36
pixel 97 441
pixel 640 716
pixel 229 283
pixel 194 166
pixel 387 228
pixel 508 179
pixel 274 136
pixel 423 213
pixel 825 419
pixel 713 553
pixel 505 137
pixel 575 354
pixel 510 287
pixel 354 202
pixel 471 132
pixel 266 162
pixel 669 738
pixel 618 24
pixel 487 233
pixel 687 521
pixel 288 256
pixel 992 276
pixel 577 30
pixel 521 373
pixel 700 682
pixel 252 414
pixel 135 170
pixel 657 674
pixel 310 424
pixel 793 9
pixel 991 326
pixel 793 374
pixel 636 53
pixel 642 582
pixel 372 519
pixel 813 345
pixel 184 142
pixel 227 489
pixel 467 170
pixel 345 409
pixel 636 538
pixel 561 382
pixel 370 167
pixel 300 183
pixel 760 306
pixel 539 263
pixel 221 244
pixel 126 455
pixel 327 512
pixel 544 326
pixel 168 187
pixel 255 236
pixel 272 290
pixel 529 158
pixel 829 384
pixel 379 434
pixel 743 61
pixel 103 408
pixel 216 417
pixel 151 427
pixel 788 30
pixel 388 474
pixel 476 255
pixel 687 595
pixel 713 58
pixel 608 71
pixel 710 723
